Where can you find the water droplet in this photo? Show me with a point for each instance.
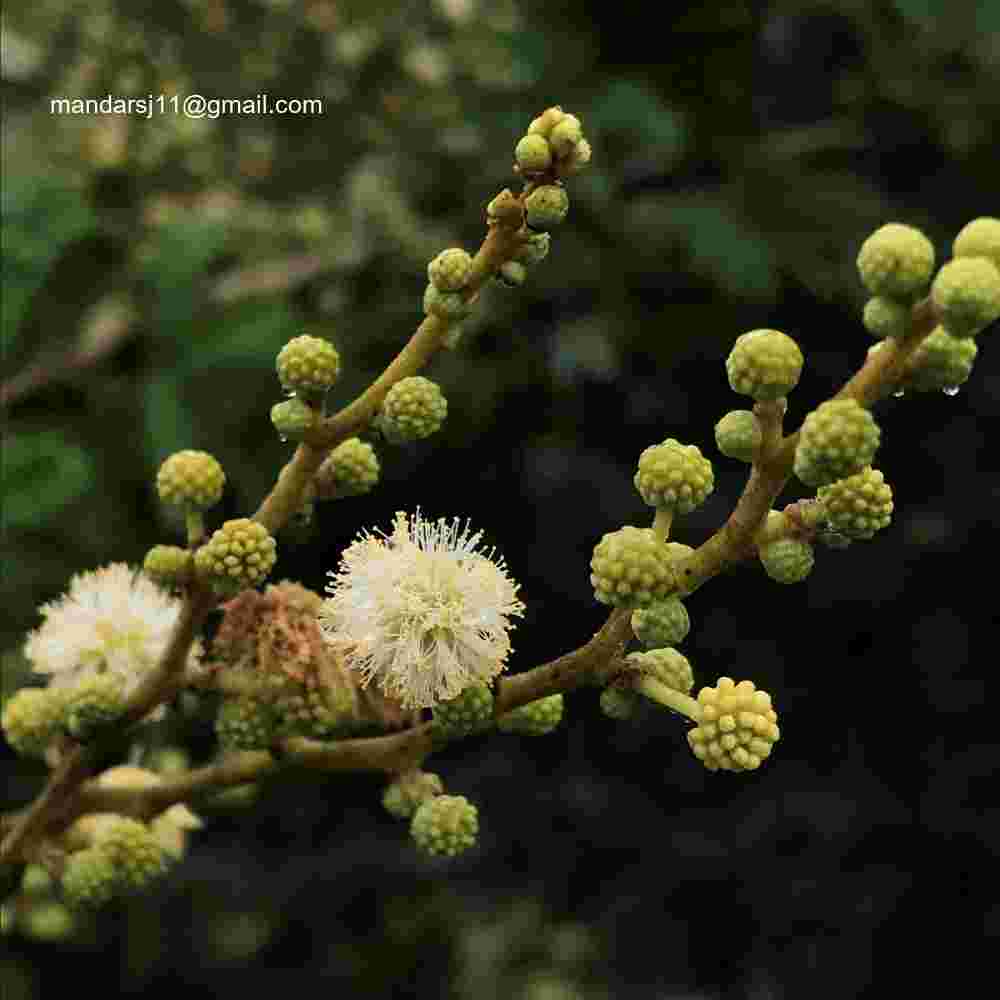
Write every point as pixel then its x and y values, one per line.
pixel 899 393
pixel 951 390
pixel 283 439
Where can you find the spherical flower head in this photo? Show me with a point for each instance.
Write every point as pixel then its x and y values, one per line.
pixel 534 250
pixel 533 154
pixel 422 612
pixel 565 136
pixel 840 437
pixel 445 825
pixel 113 620
pixel 130 844
pixel 737 727
pixel 896 261
pixel 90 879
pixel 471 711
pixel 240 554
pixel 980 238
pixel 32 718
pixel 449 271
pixel 512 274
pixel 94 703
pixel 887 317
pixel 449 306
pixel 190 479
pixel 663 623
pixel 168 565
pixel 414 408
pixel 859 505
pixel 351 469
pixel 738 435
pixel 787 560
pixel 546 207
pixel 764 364
pixel 967 294
pixel 668 666
pixel 409 791
pixel 674 476
pixel 49 921
pixel 577 158
pixel 308 366
pixel 940 362
pixel 630 568
pixel 537 718
pixel 546 121
pixel 292 418
pixel 245 724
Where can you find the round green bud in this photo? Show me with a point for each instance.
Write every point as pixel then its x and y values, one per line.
pixel 133 850
pixel 414 408
pixel 887 317
pixel 32 718
pixel 979 238
pixel 967 293
pixel 93 704
pixel 764 364
pixel 47 921
pixel 240 554
pixel 292 418
pixel 546 207
pixel 664 623
pixel 630 568
pixel 859 505
pixel 470 712
pixel 840 437
pixel 565 136
pixel 674 476
pixel 90 879
pixel 246 724
pixel 190 479
pixel 537 718
pixel 737 726
pixel 409 791
pixel 738 435
pixel 449 271
pixel 511 274
pixel 36 880
pixel 896 261
pixel 168 760
pixel 940 362
pixel 351 469
pixel 168 565
pixel 308 366
pixel 534 250
pixel 546 121
pixel 787 560
pixel 445 825
pixel 577 159
pixel 668 666
pixel 619 703
pixel 533 154
pixel 449 306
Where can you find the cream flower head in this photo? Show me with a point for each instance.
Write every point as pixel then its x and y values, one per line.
pixel 113 620
pixel 421 611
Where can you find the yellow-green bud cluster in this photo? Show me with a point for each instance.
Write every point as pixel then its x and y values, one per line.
pixel 967 294
pixel 764 364
pixel 939 362
pixel 896 261
pixel 449 271
pixel 630 568
pixel 414 408
pixel 887 317
pixel 663 623
pixel 245 723
pixel 737 726
pixel 537 718
pixel 668 666
pixel 292 418
pixel 407 793
pixel 674 476
pixel 133 850
pixel 351 469
pixel 546 207
pixel 32 718
pixel 738 435
pixel 36 880
pixel 979 238
pixel 168 565
pixel 837 439
pixel 190 479
pixel 533 154
pixel 90 879
pixel 859 505
pixel 618 703
pixel 534 250
pixel 240 554
pixel 308 366
pixel 445 825
pixel 449 306
pixel 93 704
pixel 470 712
pixel 787 560
pixel 563 134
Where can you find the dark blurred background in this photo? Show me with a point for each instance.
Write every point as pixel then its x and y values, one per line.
pixel 742 152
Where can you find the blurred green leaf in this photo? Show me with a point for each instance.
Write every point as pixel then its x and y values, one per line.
pixel 629 107
pixel 169 423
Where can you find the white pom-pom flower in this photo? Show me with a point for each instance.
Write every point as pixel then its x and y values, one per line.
pixel 113 620
pixel 422 612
